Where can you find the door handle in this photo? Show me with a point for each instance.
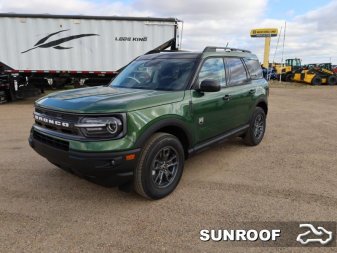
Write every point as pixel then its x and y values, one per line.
pixel 252 91
pixel 227 97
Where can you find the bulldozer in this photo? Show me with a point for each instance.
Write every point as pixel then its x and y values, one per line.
pixel 316 74
pixel 286 71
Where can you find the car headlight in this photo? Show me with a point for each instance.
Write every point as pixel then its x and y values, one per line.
pixel 104 127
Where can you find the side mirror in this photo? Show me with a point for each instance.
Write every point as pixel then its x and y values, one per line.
pixel 210 85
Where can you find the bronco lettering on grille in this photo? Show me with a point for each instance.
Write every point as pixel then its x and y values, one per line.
pixel 51 121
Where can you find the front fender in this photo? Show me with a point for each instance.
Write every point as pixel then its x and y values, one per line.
pixel 143 123
pixel 160 123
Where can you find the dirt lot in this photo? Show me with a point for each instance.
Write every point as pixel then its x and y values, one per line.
pixel 290 176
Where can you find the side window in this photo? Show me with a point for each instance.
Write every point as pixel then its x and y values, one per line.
pixel 213 68
pixel 237 71
pixel 254 68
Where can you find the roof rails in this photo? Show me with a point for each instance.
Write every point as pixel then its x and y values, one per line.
pixel 227 49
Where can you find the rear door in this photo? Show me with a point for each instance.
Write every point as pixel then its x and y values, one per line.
pixel 241 91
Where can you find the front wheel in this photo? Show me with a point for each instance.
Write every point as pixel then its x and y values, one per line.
pixel 160 166
pixel 257 128
pixel 316 81
pixel 289 77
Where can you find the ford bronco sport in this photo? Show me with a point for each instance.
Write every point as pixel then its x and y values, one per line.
pixel 162 108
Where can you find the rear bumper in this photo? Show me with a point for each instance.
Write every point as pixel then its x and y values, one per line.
pixel 88 164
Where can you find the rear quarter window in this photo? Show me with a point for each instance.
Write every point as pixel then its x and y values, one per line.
pixel 254 68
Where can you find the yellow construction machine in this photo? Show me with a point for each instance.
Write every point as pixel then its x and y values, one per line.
pixel 287 70
pixel 316 74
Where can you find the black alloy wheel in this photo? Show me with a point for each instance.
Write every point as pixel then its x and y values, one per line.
pixel 257 127
pixel 160 166
pixel 165 167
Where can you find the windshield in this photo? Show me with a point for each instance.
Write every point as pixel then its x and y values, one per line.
pixel 155 74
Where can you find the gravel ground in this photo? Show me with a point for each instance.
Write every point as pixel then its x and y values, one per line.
pixel 290 176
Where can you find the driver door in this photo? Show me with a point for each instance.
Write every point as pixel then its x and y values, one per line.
pixel 210 108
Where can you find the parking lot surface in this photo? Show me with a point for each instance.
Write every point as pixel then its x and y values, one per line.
pixel 290 176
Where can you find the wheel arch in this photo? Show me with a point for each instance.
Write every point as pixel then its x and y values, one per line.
pixel 262 103
pixel 171 126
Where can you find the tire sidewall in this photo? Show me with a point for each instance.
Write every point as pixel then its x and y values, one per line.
pixel 149 187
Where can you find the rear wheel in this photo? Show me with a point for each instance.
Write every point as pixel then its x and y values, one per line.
pixel 160 166
pixel 257 128
pixel 332 80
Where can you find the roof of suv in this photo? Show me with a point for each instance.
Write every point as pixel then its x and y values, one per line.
pixel 170 54
pixel 208 52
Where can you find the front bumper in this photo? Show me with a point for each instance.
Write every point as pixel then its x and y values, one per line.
pixel 87 164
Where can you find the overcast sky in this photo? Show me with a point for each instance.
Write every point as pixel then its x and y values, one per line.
pixel 311 24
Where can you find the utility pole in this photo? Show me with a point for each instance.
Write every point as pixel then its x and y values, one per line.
pixel 284 39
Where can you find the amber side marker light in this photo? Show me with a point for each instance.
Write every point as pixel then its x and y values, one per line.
pixel 130 157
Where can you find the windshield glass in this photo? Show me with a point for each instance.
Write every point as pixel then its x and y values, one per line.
pixel 155 74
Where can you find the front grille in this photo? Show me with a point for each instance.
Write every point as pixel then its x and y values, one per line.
pixel 56 114
pixel 70 118
pixel 56 143
pixel 58 129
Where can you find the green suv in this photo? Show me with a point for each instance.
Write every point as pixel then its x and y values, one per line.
pixel 162 108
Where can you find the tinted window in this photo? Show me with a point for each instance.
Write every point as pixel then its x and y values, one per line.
pixel 237 71
pixel 213 68
pixel 254 68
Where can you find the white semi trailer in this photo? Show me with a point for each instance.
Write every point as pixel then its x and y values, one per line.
pixel 37 50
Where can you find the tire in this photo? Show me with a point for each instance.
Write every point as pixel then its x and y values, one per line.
pixel 253 135
pixel 332 80
pixel 60 82
pixel 288 77
pixel 157 183
pixel 316 80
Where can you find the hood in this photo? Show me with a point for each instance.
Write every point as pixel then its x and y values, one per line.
pixel 105 99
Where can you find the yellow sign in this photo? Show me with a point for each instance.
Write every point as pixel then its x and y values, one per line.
pixel 264 32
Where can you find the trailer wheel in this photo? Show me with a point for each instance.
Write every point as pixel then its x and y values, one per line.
pixel 316 80
pixel 60 82
pixel 332 80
